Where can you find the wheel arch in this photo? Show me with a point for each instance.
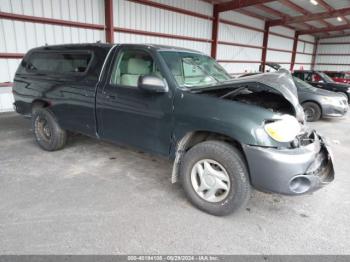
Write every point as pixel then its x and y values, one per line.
pixel 192 138
pixel 40 103
pixel 315 102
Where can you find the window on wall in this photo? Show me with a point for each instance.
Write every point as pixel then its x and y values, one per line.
pixel 131 65
pixel 58 63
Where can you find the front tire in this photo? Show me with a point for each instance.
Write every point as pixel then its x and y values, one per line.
pixel 312 111
pixel 48 134
pixel 215 178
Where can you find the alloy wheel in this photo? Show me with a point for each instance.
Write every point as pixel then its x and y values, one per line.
pixel 210 180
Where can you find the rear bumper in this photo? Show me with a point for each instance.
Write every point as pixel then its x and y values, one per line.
pixel 290 171
pixel 22 108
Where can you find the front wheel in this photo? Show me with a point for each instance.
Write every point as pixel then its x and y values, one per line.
pixel 312 111
pixel 48 134
pixel 215 178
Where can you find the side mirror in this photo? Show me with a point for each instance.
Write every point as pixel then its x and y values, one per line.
pixel 153 84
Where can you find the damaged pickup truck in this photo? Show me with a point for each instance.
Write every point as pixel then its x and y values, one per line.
pixel 224 135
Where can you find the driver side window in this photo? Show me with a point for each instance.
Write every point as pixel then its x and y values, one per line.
pixel 132 64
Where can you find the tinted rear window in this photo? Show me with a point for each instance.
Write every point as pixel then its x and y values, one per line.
pixel 59 63
pixel 336 74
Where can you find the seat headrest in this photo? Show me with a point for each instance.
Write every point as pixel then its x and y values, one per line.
pixel 138 66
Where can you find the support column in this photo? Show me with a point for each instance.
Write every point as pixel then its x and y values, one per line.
pixel 265 43
pixel 109 21
pixel 215 32
pixel 314 54
pixel 294 52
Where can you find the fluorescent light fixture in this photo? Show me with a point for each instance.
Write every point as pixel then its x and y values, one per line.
pixel 314 2
pixel 339 19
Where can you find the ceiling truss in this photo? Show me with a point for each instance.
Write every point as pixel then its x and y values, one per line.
pixel 300 21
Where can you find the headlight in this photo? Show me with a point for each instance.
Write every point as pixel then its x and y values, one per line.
pixel 284 129
pixel 330 101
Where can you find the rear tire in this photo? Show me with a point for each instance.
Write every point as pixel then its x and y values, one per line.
pixel 215 160
pixel 312 111
pixel 48 134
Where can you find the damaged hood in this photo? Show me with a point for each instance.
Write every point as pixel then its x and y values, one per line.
pixel 282 82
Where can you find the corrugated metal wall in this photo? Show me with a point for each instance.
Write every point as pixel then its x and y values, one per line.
pixel 6 99
pixel 305 52
pixel 237 58
pixel 137 16
pixel 333 54
pixel 19 37
pixel 232 38
pixel 280 46
pixel 281 40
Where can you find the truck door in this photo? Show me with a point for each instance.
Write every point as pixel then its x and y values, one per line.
pixel 129 115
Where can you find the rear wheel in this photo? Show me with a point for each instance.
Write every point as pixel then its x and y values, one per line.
pixel 48 134
pixel 312 111
pixel 215 178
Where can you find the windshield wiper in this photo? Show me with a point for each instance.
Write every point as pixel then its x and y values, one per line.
pixel 233 92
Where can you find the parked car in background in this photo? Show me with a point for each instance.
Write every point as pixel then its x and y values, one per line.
pixel 224 135
pixel 316 102
pixel 319 103
pixel 339 76
pixel 321 80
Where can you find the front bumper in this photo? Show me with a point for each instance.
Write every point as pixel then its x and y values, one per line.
pixel 335 111
pixel 290 171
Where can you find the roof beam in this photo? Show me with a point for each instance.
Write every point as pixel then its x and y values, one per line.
pixel 279 14
pixel 237 4
pixel 329 8
pixel 271 11
pixel 249 13
pixel 310 17
pixel 323 30
pixel 295 7
pixel 335 36
pixel 325 5
pixel 302 11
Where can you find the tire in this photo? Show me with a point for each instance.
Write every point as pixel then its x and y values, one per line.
pixel 346 96
pixel 312 111
pixel 228 158
pixel 48 134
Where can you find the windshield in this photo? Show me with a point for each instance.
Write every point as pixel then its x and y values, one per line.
pixel 338 75
pixel 192 70
pixel 300 84
pixel 326 77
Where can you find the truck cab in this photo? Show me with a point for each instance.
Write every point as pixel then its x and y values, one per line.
pixel 224 135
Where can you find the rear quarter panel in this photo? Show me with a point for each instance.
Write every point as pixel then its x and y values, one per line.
pixel 70 97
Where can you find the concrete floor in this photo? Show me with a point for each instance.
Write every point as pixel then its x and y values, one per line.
pixel 97 198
